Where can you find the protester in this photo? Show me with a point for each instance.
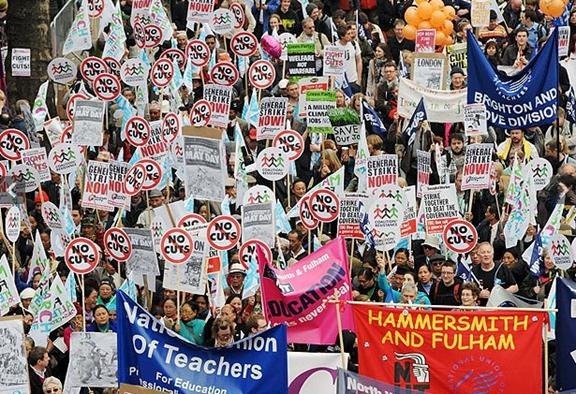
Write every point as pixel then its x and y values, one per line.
pixel 39 371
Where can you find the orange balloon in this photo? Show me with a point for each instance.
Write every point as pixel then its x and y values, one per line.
pixel 544 6
pixel 409 32
pixel 440 39
pixel 418 2
pixel 449 40
pixel 437 4
pixel 556 8
pixel 437 19
pixel 450 12
pixel 424 25
pixel 447 27
pixel 424 11
pixel 411 16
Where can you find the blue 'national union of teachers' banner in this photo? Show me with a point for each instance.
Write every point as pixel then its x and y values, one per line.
pixel 528 98
pixel 151 356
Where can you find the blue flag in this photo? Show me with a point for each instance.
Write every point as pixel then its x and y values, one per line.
pixel 565 334
pixel 418 116
pixel 534 265
pixel 281 222
pixel 372 118
pixel 528 98
pixel 251 110
pixel 571 105
pixel 464 272
pixel 342 83
pixel 365 226
pixel 153 356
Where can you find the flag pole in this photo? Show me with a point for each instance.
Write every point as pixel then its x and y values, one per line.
pixel 546 354
pixel 337 303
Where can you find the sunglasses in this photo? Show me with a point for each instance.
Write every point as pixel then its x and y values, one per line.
pixel 54 390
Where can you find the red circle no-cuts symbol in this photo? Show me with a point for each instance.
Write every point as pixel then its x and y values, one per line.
pixel 290 142
pixel 324 205
pixel 244 43
pixel 72 101
pixel 162 72
pixel 190 220
pixel 198 53
pixel 249 250
pixel 262 74
pixel 91 67
pixel 152 36
pixel 176 246
pixel 153 173
pixel 170 127
pixel 81 255
pixel 106 86
pixel 175 54
pixel 95 8
pixel 138 131
pixel 223 232
pixel 239 15
pixel 12 143
pixel 139 35
pixel 114 65
pixel 201 113
pixel 308 220
pixel 117 244
pixel 224 73
pixel 460 236
pixel 134 179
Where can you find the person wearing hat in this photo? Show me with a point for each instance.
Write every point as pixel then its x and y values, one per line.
pixel 107 294
pixel 494 31
pixel 21 309
pixel 436 261
pixel 230 189
pixel 234 119
pixel 457 79
pixel 430 247
pixel 155 111
pixel 155 199
pixel 235 278
pixel 88 227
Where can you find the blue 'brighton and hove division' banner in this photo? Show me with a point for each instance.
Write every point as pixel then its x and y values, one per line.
pixel 565 334
pixel 528 98
pixel 151 356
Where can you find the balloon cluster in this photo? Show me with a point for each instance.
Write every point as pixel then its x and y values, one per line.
pixel 553 8
pixel 432 14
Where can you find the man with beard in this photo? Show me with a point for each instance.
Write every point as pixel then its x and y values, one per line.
pixel 516 144
pixel 452 160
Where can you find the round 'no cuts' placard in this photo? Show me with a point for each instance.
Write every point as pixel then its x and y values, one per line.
pixel 81 255
pixel 223 232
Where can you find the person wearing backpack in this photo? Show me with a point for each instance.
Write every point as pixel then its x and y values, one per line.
pixel 446 291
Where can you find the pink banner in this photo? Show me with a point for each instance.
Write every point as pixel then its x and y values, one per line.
pixel 296 296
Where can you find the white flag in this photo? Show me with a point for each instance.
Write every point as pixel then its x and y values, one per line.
pixel 79 36
pixel 40 110
pixel 116 40
pixel 8 292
